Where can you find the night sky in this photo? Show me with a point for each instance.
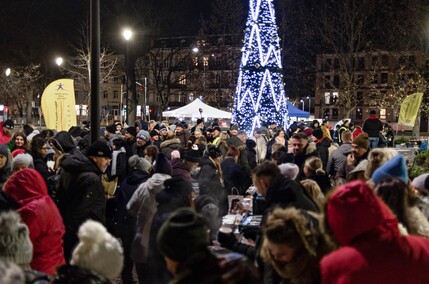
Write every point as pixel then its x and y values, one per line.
pixel 38 29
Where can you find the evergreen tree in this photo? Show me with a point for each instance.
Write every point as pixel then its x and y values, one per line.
pixel 260 97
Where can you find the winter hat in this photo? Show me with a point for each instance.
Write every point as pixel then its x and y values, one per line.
pixel 140 163
pixel 214 152
pixel 15 243
pixel 98 251
pixel 179 124
pixel 8 123
pixel 250 144
pixel 421 182
pixel 75 131
pixel 162 165
pixel 184 125
pixel 395 167
pixel 111 128
pixel 182 235
pixel 233 127
pixel 100 149
pixel 23 159
pixel 4 150
pixel 308 131
pixel 216 128
pixel 162 127
pixel 289 170
pixel 154 133
pixel 143 134
pixel 362 141
pixel 132 130
pixel 175 155
pixel 193 155
pixel 317 133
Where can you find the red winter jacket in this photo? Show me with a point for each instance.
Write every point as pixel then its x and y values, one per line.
pixel 42 217
pixel 4 139
pixel 372 249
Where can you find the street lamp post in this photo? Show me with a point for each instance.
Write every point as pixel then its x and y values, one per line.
pixel 309 104
pixel 302 101
pixel 127 34
pixel 7 73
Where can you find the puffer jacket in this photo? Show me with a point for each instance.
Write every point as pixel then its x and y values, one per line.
pixel 42 217
pixel 169 146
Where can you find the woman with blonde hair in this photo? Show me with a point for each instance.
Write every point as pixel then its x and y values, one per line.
pixel 376 158
pixel 314 192
pixel 313 169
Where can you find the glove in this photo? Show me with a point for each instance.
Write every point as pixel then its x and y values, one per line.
pixel 226 240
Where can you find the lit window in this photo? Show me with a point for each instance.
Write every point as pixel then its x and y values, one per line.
pixel 334 97
pixel 195 61
pixel 383 114
pixel 327 98
pixel 206 61
pixel 182 79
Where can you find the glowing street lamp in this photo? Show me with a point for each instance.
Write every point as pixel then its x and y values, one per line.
pixel 7 72
pixel 309 104
pixel 302 101
pixel 59 61
pixel 127 34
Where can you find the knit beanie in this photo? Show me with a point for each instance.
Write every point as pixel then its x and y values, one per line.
pixel 154 133
pixel 250 144
pixel 214 152
pixel 308 131
pixel 100 149
pixel 395 167
pixel 111 128
pixel 132 130
pixel 289 170
pixel 4 150
pixel 143 134
pixel 16 152
pixel 15 243
pixel 98 251
pixel 421 182
pixel 23 159
pixel 178 185
pixel 193 155
pixel 139 163
pixel 362 141
pixel 162 165
pixel 175 155
pixel 8 123
pixel 182 235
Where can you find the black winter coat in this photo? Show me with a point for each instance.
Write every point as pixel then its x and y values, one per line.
pixel 81 196
pixel 210 183
pixel 323 150
pixel 233 176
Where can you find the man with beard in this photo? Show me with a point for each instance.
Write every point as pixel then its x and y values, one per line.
pixel 360 150
pixel 81 192
pixel 130 140
pixel 182 133
pixel 5 131
pixel 142 141
pixel 301 150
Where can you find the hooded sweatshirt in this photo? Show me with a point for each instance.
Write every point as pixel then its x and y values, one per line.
pixel 372 249
pixel 42 217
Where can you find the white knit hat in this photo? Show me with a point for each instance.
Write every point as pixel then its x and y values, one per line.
pixel 289 170
pixel 23 159
pixel 98 251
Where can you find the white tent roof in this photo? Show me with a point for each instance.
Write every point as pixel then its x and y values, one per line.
pixel 192 110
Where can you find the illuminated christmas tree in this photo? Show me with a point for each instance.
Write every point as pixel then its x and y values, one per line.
pixel 260 97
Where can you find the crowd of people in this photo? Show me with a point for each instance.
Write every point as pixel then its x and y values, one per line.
pixel 145 203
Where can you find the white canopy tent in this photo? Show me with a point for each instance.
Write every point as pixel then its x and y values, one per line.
pixel 193 110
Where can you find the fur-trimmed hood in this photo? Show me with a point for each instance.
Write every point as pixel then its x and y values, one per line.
pixel 170 142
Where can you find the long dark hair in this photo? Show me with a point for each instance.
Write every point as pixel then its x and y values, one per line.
pixel 36 147
pixel 398 196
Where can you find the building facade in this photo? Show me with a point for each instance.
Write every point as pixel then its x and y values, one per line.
pixel 351 85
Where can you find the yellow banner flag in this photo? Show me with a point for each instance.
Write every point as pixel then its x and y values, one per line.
pixel 58 105
pixel 409 109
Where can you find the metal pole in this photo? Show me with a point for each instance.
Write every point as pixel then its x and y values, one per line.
pixel 126 82
pixel 120 106
pixel 145 97
pixel 95 70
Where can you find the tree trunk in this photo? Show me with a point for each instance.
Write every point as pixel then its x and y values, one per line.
pixel 29 106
